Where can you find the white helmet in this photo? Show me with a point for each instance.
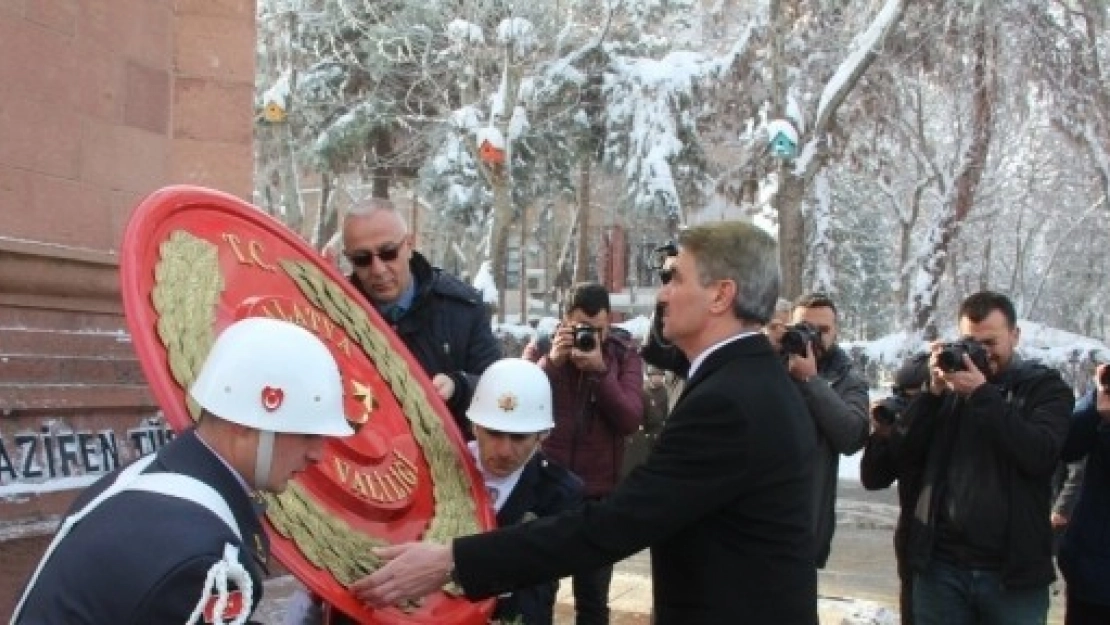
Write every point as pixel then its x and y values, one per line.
pixel 273 376
pixel 513 395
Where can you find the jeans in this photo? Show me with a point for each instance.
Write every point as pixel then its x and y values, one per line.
pixel 945 594
pixel 591 596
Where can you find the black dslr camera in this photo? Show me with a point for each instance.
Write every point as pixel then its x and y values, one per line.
pixel 657 260
pixel 951 356
pixel 797 336
pixel 585 337
pixel 888 410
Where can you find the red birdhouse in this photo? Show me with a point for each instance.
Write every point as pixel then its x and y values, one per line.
pixel 491 146
pixel 490 154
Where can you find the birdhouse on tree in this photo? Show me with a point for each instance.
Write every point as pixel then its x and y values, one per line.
pixel 491 146
pixel 783 139
pixel 275 101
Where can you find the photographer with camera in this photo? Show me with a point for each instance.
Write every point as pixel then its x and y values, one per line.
pixel 879 467
pixel 1084 557
pixel 596 376
pixel 836 398
pixel 985 440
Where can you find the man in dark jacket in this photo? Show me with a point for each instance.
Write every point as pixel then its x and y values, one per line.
pixel 724 498
pixel 442 321
pixel 1085 548
pixel 596 378
pixel 880 466
pixel 837 400
pixel 986 439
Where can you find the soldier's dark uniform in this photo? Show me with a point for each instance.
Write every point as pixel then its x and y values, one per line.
pixel 544 489
pixel 142 558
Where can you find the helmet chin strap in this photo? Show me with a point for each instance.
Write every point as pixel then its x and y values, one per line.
pixel 263 458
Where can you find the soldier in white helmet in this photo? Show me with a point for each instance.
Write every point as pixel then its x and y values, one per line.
pixel 510 415
pixel 175 537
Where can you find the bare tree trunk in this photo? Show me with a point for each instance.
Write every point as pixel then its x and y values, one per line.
pixel 382 145
pixel 581 260
pixel 935 257
pixel 792 234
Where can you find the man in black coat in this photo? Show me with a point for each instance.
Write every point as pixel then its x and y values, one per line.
pixel 141 545
pixel 442 321
pixel 724 499
pixel 985 439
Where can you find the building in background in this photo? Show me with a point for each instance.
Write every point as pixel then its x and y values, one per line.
pixel 103 102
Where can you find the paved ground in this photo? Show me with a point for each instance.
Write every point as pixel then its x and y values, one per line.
pixel 859 585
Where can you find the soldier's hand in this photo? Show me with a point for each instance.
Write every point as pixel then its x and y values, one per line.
pixel 445 386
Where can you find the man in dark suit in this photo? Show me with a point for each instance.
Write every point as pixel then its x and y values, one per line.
pixel 724 499
pixel 147 544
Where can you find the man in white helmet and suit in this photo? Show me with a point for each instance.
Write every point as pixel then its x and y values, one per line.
pixel 510 415
pixel 150 543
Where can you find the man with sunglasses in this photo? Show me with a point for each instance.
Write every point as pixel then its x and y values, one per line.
pixel 442 321
pixel 837 400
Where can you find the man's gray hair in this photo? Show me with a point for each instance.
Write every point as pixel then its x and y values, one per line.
pixel 741 252
pixel 369 205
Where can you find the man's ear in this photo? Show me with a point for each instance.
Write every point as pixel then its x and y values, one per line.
pixel 724 296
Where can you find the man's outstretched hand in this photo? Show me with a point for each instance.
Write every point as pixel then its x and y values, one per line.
pixel 411 571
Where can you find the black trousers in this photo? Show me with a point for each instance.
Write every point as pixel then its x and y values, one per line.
pixel 1084 613
pixel 591 596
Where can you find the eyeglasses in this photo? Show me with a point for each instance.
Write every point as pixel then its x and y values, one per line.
pixel 386 253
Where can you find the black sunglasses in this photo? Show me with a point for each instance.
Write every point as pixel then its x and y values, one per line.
pixel 364 258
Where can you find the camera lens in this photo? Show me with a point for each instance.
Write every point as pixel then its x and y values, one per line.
pixel 585 338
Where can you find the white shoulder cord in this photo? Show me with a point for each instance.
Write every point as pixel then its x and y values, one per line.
pixel 182 487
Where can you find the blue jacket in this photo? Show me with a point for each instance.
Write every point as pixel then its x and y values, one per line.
pixel 544 489
pixel 142 558
pixel 1084 556
pixel 448 331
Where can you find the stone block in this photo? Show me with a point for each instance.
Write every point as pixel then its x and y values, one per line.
pixel 211 110
pixel 241 9
pixel 212 47
pixel 57 15
pixel 146 102
pixel 40 135
pixel 99 82
pixel 121 157
pixel 227 167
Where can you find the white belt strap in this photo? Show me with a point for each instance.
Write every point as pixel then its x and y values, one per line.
pixel 182 487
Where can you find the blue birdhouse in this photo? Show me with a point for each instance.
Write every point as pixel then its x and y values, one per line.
pixel 783 139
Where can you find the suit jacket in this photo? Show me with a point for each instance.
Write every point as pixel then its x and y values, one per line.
pixel 724 502
pixel 142 558
pixel 544 489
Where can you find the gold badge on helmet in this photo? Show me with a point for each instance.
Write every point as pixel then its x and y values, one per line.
pixel 507 402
